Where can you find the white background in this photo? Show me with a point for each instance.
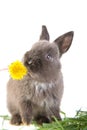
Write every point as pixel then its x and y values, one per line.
pixel 20 27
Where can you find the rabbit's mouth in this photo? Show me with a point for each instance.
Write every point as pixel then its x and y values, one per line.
pixel 31 75
pixel 34 65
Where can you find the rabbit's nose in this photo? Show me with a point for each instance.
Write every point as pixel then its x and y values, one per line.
pixel 30 61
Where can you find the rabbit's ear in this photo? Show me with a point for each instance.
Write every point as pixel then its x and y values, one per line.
pixel 64 42
pixel 44 34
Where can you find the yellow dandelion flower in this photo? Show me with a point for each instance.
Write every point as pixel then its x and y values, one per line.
pixel 17 70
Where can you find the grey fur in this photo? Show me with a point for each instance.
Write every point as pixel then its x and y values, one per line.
pixel 38 95
pixel 44 35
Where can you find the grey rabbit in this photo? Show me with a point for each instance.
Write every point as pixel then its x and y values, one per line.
pixel 38 95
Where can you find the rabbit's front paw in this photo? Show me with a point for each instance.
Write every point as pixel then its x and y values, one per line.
pixel 16 119
pixel 26 119
pixel 42 119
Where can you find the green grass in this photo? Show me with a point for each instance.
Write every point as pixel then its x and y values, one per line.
pixel 4 118
pixel 78 122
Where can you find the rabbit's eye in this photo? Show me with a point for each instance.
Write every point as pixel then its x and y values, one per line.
pixel 49 57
